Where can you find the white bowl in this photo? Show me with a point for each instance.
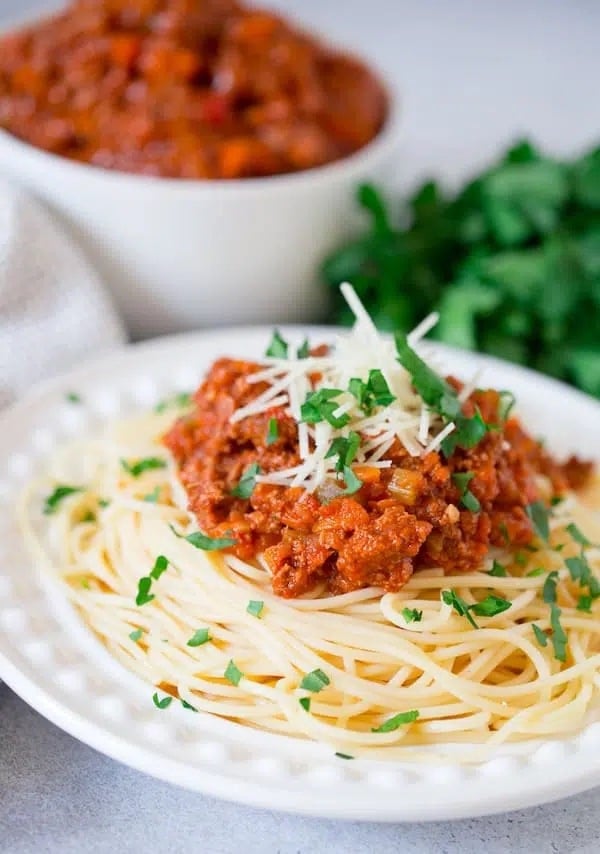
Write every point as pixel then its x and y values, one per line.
pixel 182 254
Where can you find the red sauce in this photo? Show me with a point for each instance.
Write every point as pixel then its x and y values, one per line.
pixel 402 518
pixel 185 89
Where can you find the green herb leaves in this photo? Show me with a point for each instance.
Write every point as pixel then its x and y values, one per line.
pixel 145 583
pixel 52 502
pixel 200 637
pixel 539 515
pixel 137 468
pixel 374 392
pixel 468 500
pixel 233 674
pixel 488 607
pixel 207 544
pixel 178 401
pixel 412 615
pixel 255 608
pixel 442 399
pixel 278 348
pixel 162 704
pixel 320 406
pixel 397 721
pixel 315 681
pixel 510 261
pixel 272 432
pixel 345 449
pixel 245 487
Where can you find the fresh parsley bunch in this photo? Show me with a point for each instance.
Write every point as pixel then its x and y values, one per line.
pixel 512 263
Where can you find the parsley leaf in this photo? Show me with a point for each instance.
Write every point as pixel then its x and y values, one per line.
pixel 207 544
pixel 278 348
pixel 245 487
pixel 255 608
pixel 140 466
pixel 584 603
pixel 73 397
pixel 152 497
pixel 320 406
pixel 353 483
pixel 412 615
pixel 577 535
pixel 540 635
pixel 549 588
pixel 233 674
pixel 178 401
pixel 558 636
pixel 374 392
pixel 303 351
pixel 272 432
pixel 315 681
pixel 305 703
pixel 136 635
pixel 160 565
pixel 188 706
pixel 397 721
pixel 143 595
pixel 164 703
pixel 497 570
pixel 450 597
pixel 54 499
pixel 345 448
pixel 539 514
pixel 344 756
pixel 490 606
pixel 468 500
pixel 200 637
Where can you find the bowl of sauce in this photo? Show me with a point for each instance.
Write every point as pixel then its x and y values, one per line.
pixel 203 151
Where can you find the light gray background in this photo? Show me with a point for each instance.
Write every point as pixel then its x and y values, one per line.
pixel 473 75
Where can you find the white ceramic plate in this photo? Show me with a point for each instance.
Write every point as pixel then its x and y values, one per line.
pixel 50 659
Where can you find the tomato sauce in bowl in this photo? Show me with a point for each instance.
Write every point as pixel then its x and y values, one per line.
pixel 196 89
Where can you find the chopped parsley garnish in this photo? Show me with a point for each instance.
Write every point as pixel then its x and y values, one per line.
pixel 200 636
pixel 374 392
pixel 497 570
pixel 278 348
pixel 146 464
pixel 558 636
pixel 103 503
pixel 90 516
pixel 450 597
pixel 353 483
pixel 136 635
pixel 305 703
pixel 207 544
pixel 468 500
pixel 344 756
pixel 442 399
pixel 581 571
pixel 152 497
pixel 549 588
pixel 533 573
pixel 504 531
pixel 315 681
pixel 143 595
pixel 160 565
pixel 179 401
pixel 397 721
pixel 272 432
pixel 490 606
pixel 320 406
pixel 303 351
pixel 233 674
pixel 345 449
pixel 73 397
pixel 584 603
pixel 255 607
pixel 245 487
pixel 540 635
pixel 412 615
pixel 54 499
pixel 539 515
pixel 164 703
pixel 577 535
pixel 188 706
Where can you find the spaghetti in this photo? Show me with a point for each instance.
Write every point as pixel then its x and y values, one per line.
pixel 503 653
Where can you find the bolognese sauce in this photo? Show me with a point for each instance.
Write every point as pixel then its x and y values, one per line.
pixel 185 89
pixel 421 511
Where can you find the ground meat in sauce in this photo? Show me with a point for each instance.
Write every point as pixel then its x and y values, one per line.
pixel 402 518
pixel 185 89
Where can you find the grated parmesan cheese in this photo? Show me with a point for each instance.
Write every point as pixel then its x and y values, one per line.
pixel 406 419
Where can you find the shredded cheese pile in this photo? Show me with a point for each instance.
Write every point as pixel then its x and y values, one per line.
pixel 406 418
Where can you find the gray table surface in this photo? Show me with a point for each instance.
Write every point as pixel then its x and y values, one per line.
pixel 473 76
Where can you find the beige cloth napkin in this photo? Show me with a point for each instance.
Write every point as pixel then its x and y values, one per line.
pixel 54 311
